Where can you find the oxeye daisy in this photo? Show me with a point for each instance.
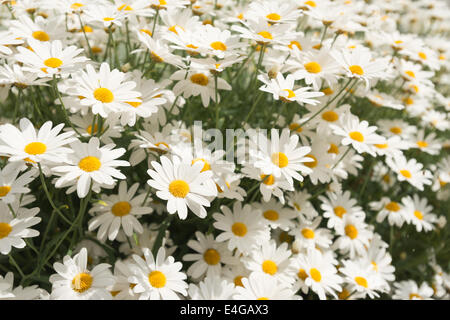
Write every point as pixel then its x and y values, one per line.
pixel 380 260
pixel 336 205
pixel 361 278
pixel 354 235
pixel 19 77
pixel 9 292
pixel 428 144
pixel 274 12
pixel 46 145
pixel 11 184
pixel 242 228
pixel 359 64
pixel 308 234
pixel 15 226
pixel 157 279
pixel 214 41
pixel 104 92
pixel 105 15
pixel 419 213
pixel 73 281
pixel 281 155
pixel 40 29
pixel 394 211
pixel 319 272
pixel 198 82
pixel 358 134
pixel 210 258
pixel 50 58
pixel 7 40
pixel 276 215
pixel 272 260
pixel 409 290
pixel 90 162
pixel 283 89
pixel 119 211
pixel 183 185
pixel 410 170
pixel 262 32
pixel 212 288
pixel 260 286
pixel 122 288
pixel 159 51
pixel 299 200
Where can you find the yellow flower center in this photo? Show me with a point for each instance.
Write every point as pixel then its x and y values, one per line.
pixel 134 104
pixel 217 45
pixel 200 79
pixel 269 267
pixel 381 146
pixel 156 57
pixel 311 164
pixel 374 266
pixel 351 231
pixel 239 229
pixel 121 208
pixel 295 43
pixel 41 36
pixel 422 144
pixel 310 3
pixel 5 229
pixel 96 49
pixel 295 127
pixel 355 69
pixel 35 148
pixel 238 281
pixel 418 214
pixel 53 62
pixel 271 215
pixel 333 149
pixel 315 274
pixel 422 55
pixel 313 67
pixel 396 130
pixel 392 206
pixel 414 295
pixel 361 281
pixel 108 19
pixel 308 233
pixel 212 257
pixel 302 274
pixel 89 164
pixel 174 28
pixel 4 190
pixel 357 136
pixel 291 93
pixel 82 282
pixel 76 6
pixel 406 173
pixel 157 279
pixel 263 298
pixel 330 116
pixel 125 7
pixel 280 159
pixel 146 31
pixel 206 165
pixel 273 16
pixel 268 180
pixel 103 95
pixel 344 294
pixel 327 91
pixel 339 211
pixel 410 73
pixel 266 35
pixel 179 188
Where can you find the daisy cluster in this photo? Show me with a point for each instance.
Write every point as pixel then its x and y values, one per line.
pixel 339 187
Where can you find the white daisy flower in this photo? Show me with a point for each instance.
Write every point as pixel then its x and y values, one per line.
pixel 272 260
pixel 362 279
pixel 46 145
pixel 50 58
pixel 419 213
pixel 260 286
pixel 393 210
pixel 320 271
pixel 284 89
pixel 354 236
pixel 242 228
pixel 122 288
pixel 73 281
pixel 183 185
pixel 11 184
pixel 410 170
pixel 118 211
pixel 358 134
pixel 90 162
pixel 276 215
pixel 8 292
pixel 299 200
pixel 309 235
pixel 212 288
pixel 158 279
pixel 210 258
pixel 409 290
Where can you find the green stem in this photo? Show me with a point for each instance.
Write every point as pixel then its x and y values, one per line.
pixel 260 94
pixel 91 54
pixel 44 186
pixel 161 233
pixel 342 157
pixel 14 263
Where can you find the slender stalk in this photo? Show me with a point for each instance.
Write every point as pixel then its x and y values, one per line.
pixel 342 157
pixel 91 54
pixel 162 230
pixel 44 186
pixel 14 263
pixel 260 94
pixel 55 88
pixel 260 60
